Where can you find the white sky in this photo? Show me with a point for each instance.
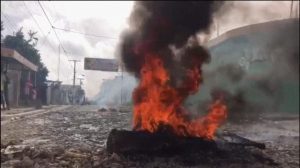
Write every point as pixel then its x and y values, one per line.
pixel 106 18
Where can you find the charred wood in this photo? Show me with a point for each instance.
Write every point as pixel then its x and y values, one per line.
pixel 135 142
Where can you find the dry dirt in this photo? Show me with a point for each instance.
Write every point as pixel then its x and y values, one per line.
pixel 75 136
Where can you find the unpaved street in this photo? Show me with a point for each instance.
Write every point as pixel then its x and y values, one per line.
pixel 65 125
pixel 75 136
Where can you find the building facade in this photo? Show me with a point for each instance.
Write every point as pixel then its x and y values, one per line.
pixel 16 65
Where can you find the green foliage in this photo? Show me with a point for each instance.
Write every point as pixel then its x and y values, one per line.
pixel 32 37
pixel 27 49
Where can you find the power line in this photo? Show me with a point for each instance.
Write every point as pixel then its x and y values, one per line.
pixel 9 26
pixel 51 12
pixel 9 23
pixel 12 25
pixel 101 36
pixel 33 18
pixel 50 22
pixel 52 27
pixel 46 37
pixel 85 33
pixel 38 25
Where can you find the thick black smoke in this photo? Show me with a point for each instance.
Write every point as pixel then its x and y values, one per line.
pixel 157 25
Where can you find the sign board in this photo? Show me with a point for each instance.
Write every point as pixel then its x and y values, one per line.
pixel 100 64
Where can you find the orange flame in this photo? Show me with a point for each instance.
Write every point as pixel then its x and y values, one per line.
pixel 157 103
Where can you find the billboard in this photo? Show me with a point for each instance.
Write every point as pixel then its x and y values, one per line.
pixel 101 64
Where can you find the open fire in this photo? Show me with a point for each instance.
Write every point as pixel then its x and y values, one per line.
pixel 158 104
pixel 166 78
pixel 161 49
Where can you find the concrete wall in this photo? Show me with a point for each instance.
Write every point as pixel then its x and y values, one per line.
pixel 64 95
pixel 267 58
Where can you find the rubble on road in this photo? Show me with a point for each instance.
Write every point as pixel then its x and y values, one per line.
pixel 20 155
pixel 75 157
pixel 26 156
pixel 102 110
pixel 77 138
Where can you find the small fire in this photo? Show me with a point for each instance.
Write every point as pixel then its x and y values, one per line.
pixel 158 104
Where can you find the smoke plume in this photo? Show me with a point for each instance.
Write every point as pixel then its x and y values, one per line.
pixel 167 78
pixel 155 26
pixel 269 82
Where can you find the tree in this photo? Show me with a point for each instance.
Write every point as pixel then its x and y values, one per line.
pixel 32 37
pixel 26 47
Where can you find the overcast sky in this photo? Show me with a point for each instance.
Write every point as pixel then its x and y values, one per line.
pixel 103 18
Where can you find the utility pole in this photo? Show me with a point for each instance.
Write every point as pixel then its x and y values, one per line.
pixel 297 10
pixel 291 10
pixel 80 81
pixel 58 66
pixel 74 73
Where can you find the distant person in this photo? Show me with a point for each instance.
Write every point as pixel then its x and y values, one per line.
pixel 3 80
pixel 70 97
pixel 27 89
pixel 7 81
pixel 33 93
pixel 34 98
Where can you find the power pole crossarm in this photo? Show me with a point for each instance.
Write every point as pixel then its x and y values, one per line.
pixel 74 73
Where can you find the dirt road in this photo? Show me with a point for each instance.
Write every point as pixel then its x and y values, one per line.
pixel 70 136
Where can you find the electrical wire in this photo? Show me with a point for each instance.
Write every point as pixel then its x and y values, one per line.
pixel 53 28
pixel 36 22
pixel 9 23
pixel 46 36
pixel 114 38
